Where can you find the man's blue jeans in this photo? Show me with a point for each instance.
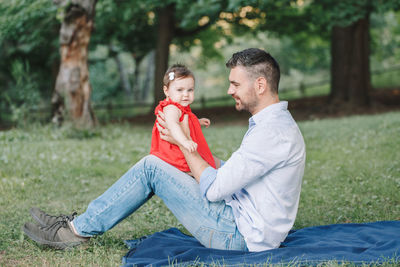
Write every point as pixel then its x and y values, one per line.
pixel 211 223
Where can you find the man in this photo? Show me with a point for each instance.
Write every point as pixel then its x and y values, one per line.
pixel 249 203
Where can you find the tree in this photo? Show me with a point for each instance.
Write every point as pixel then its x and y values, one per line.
pixel 149 25
pixel 165 34
pixel 28 33
pixel 141 26
pixel 72 85
pixel 350 68
pixel 176 20
pixel 349 25
pixel 126 26
pixel 346 25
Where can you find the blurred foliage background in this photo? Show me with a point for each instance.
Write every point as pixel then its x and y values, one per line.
pixel 123 42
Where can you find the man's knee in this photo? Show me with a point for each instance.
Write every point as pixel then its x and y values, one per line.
pixel 150 161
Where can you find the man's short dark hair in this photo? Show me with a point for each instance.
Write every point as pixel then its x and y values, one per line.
pixel 258 63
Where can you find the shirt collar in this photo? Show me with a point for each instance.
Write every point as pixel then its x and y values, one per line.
pixel 267 112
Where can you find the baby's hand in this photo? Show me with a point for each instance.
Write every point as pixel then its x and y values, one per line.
pixel 190 145
pixel 205 122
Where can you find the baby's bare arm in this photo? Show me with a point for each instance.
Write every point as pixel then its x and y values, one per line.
pixel 172 115
pixel 205 122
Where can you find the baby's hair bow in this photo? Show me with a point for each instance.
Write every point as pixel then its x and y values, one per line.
pixel 171 76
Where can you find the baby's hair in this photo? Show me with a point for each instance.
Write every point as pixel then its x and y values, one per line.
pixel 176 71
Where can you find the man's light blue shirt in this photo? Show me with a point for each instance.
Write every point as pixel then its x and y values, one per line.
pixel 261 181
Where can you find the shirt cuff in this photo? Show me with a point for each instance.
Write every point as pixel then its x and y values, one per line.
pixel 207 177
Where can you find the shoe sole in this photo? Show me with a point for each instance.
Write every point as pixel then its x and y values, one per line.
pixel 56 245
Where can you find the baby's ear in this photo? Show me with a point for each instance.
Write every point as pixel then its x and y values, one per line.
pixel 165 90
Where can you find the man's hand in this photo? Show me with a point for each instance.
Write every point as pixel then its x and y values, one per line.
pixel 205 122
pixel 164 131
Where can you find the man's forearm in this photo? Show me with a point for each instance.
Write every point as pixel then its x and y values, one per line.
pixel 196 163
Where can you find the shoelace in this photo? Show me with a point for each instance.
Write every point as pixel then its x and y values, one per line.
pixel 64 217
pixel 62 222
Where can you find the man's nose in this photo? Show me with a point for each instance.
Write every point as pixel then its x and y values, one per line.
pixel 231 91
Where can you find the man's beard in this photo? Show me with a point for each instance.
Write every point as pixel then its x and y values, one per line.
pixel 245 106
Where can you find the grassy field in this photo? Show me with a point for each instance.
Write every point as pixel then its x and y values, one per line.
pixel 352 175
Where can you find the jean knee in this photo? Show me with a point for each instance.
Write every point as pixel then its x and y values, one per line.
pixel 150 161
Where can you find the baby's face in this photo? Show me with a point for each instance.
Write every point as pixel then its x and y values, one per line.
pixel 181 91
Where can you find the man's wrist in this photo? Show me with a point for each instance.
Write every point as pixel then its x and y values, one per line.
pixel 206 179
pixel 196 163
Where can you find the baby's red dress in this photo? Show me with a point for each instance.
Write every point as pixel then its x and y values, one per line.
pixel 171 153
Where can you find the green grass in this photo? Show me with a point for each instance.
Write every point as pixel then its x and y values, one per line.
pixel 352 175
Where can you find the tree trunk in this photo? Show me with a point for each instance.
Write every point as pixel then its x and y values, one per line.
pixel 165 34
pixel 146 88
pixel 73 77
pixel 350 74
pixel 136 82
pixel 126 85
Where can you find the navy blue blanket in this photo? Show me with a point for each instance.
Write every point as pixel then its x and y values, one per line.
pixel 356 243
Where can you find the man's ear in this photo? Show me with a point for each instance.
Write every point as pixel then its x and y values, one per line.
pixel 261 85
pixel 165 90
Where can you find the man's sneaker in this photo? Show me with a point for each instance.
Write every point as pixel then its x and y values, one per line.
pixel 45 219
pixel 58 235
